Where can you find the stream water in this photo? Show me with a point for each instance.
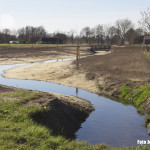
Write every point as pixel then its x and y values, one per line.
pixel 112 122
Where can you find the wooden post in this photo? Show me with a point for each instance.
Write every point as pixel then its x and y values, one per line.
pixel 57 49
pixel 77 55
pixel 79 52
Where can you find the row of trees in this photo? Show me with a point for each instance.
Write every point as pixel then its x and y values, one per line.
pixel 122 31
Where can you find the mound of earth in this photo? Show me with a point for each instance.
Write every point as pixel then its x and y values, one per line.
pixel 63 115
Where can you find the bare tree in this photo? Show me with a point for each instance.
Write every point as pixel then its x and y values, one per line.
pixel 145 20
pixel 31 34
pixel 6 36
pixel 85 33
pixel 93 35
pixel 111 32
pixel 99 33
pixel 131 35
pixel 71 35
pixel 123 25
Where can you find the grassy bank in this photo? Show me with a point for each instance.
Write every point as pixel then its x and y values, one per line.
pixel 136 95
pixel 19 131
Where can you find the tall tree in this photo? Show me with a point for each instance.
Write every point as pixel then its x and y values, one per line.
pixel 99 33
pixel 31 34
pixel 145 19
pixel 71 35
pixel 123 25
pixel 85 33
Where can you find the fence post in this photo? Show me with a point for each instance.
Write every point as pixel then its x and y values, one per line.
pixel 57 49
pixel 77 55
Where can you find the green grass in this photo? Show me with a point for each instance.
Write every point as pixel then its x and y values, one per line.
pixel 18 131
pixel 100 87
pixel 135 95
pixel 22 95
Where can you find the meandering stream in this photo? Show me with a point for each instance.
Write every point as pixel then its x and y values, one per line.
pixel 112 122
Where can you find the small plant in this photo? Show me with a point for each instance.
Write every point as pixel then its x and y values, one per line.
pixel 125 92
pixel 100 87
pixel 147 54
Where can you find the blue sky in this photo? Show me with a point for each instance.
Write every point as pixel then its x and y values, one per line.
pixel 64 15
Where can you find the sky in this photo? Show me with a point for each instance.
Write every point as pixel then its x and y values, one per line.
pixel 67 15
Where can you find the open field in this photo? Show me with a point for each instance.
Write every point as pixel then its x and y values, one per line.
pixel 125 64
pixel 21 54
pixel 110 69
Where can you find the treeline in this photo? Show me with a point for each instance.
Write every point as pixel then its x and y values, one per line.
pixel 123 31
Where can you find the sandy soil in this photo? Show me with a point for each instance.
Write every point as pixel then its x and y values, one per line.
pixel 60 72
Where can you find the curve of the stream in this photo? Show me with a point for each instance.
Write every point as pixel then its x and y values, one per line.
pixel 112 122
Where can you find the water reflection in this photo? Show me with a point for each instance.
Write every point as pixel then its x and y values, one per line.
pixel 77 92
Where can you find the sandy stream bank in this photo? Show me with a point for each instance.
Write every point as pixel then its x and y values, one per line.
pixel 58 72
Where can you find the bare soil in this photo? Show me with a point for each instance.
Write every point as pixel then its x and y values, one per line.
pixel 14 55
pixel 65 73
pixel 125 64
